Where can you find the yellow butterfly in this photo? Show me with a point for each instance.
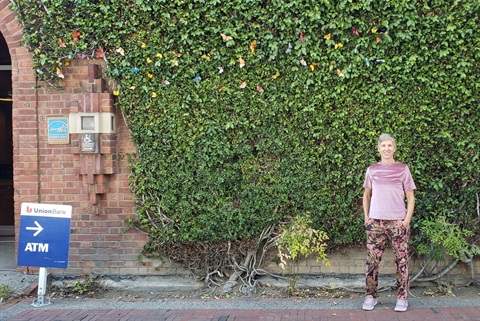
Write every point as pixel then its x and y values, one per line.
pixel 59 73
pixel 277 74
pixel 243 84
pixel 340 73
pixel 252 45
pixel 242 62
pixel 312 65
pixel 225 37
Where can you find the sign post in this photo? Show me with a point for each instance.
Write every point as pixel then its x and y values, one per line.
pixel 44 240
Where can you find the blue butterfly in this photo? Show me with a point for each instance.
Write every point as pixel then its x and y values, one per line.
pixel 289 49
pixel 197 77
pixel 135 70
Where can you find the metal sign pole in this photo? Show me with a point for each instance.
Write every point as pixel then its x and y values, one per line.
pixel 42 289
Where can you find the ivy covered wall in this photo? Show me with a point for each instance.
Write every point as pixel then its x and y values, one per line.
pixel 245 113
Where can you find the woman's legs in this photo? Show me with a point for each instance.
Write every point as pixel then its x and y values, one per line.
pixel 399 236
pixel 376 243
pixel 378 232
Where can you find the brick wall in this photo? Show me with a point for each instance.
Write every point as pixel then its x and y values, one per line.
pixel 96 185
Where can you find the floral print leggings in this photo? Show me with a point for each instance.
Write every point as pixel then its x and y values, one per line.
pixel 378 233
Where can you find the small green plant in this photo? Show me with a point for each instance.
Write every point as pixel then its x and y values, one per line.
pixel 5 292
pixel 448 237
pixel 299 240
pixel 86 286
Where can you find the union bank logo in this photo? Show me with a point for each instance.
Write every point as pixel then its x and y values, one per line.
pixel 39 210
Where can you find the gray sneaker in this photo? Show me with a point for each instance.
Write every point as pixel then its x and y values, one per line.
pixel 402 305
pixel 369 303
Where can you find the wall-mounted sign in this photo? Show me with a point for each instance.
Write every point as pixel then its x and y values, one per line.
pixel 58 131
pixel 89 143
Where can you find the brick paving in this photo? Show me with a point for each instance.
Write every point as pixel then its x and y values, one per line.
pixel 379 314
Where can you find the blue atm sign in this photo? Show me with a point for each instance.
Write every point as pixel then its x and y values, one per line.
pixel 44 238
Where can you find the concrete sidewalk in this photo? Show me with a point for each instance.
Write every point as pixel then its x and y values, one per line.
pixel 438 309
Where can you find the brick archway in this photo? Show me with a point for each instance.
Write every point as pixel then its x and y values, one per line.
pixel 24 112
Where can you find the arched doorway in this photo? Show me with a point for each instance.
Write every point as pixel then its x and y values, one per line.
pixel 7 221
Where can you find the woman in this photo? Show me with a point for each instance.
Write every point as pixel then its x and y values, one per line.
pixel 386 185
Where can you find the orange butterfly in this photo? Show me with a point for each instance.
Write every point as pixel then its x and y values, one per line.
pixel 75 35
pixel 60 43
pixel 100 53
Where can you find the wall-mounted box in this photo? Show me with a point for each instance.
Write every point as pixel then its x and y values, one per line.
pixel 92 123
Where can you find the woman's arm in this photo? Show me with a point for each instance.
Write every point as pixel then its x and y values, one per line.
pixel 367 196
pixel 410 208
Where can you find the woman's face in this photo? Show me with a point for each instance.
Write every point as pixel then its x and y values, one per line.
pixel 386 149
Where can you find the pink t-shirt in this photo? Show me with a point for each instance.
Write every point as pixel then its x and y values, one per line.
pixel 388 183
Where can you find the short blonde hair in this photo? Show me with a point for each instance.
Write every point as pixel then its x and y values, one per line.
pixel 385 137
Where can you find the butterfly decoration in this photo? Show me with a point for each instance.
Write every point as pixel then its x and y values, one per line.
pixel 312 66
pixel 241 62
pixel 259 89
pixel 116 92
pixel 338 45
pixel 143 45
pixel 39 71
pixel 60 74
pixel 243 85
pixel 377 40
pixel 154 94
pixel 60 43
pixel 302 37
pixel 205 56
pixel 148 60
pixel 197 78
pixel 367 62
pixel 289 48
pixel 149 75
pixel 75 35
pixel 174 62
pixel 177 54
pixel 252 46
pixel 225 37
pixel 221 88
pixel 340 73
pixel 165 82
pixel 100 53
pixel 135 70
pixel 277 74
pixel 380 61
pixel 132 87
pixel 355 31
pixel 159 55
pixel 220 70
pixel 303 62
pixel 332 64
pixel 327 36
pixel 374 30
pixel 121 51
pixel 66 63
